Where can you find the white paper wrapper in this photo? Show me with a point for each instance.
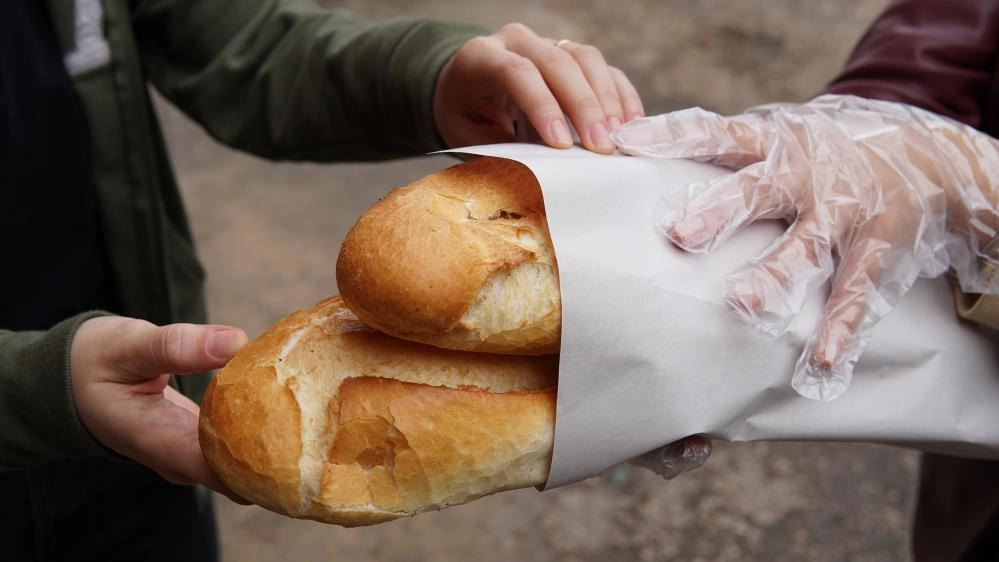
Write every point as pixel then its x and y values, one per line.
pixel 651 354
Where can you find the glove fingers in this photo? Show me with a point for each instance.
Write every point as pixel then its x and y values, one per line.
pixel 705 215
pixel 873 276
pixel 698 134
pixel 771 291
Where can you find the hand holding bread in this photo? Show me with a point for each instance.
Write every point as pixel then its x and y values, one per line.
pixel 120 370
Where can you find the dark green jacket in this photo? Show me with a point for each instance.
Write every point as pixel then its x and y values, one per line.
pixel 283 79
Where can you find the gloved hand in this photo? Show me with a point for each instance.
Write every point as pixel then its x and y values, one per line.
pixel 676 458
pixel 894 192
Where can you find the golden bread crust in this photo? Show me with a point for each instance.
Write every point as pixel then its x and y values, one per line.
pixel 324 418
pixel 461 259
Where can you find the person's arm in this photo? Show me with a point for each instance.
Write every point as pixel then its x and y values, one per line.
pixel 939 56
pixel 286 79
pixel 37 411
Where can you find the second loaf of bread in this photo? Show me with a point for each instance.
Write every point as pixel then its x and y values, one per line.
pixel 461 259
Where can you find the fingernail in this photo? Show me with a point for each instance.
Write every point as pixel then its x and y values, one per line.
pixel 822 382
pixel 560 132
pixel 689 233
pixel 223 344
pixel 600 138
pixel 743 300
pixel 614 123
pixel 822 360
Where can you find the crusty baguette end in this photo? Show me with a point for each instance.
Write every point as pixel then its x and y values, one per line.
pixel 460 259
pixel 324 418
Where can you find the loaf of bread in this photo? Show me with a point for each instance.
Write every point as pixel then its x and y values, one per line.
pixel 323 418
pixel 461 259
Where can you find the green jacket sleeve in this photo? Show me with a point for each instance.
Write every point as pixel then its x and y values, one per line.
pixel 286 79
pixel 37 411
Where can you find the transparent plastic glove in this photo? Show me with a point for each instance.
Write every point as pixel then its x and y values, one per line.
pixel 877 193
pixel 676 458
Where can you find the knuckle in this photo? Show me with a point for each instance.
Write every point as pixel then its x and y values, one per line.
pixel 774 273
pixel 119 347
pixel 588 53
pixel 589 105
pixel 515 29
pixel 552 56
pixel 480 44
pixel 541 107
pixel 611 101
pixel 516 67
pixel 173 343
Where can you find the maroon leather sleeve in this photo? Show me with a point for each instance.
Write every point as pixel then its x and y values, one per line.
pixel 940 55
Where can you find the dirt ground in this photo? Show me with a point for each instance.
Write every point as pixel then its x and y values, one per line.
pixel 269 235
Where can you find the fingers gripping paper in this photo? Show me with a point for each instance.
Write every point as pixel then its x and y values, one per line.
pixel 651 354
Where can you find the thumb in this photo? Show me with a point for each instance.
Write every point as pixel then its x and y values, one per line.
pixel 145 351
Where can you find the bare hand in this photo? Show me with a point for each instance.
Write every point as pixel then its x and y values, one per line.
pixel 492 81
pixel 120 373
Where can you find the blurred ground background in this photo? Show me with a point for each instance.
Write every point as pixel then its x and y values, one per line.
pixel 269 235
